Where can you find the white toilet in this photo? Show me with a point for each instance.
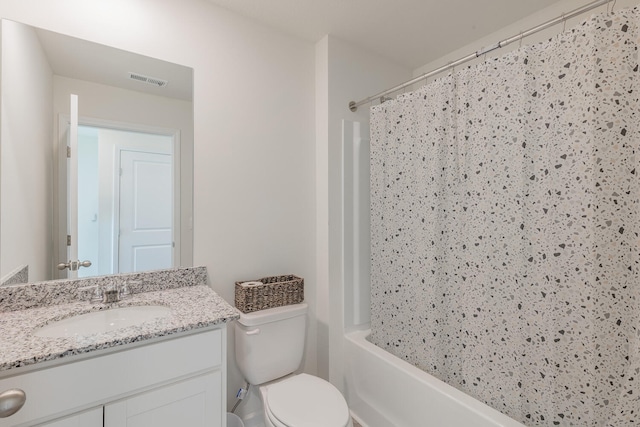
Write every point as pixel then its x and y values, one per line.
pixel 269 348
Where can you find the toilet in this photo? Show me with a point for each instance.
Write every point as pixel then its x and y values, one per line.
pixel 269 348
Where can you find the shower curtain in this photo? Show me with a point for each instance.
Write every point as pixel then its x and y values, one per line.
pixel 506 228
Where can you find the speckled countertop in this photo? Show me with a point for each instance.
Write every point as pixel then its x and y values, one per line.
pixel 193 305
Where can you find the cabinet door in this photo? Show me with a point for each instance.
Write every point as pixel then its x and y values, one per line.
pixel 90 418
pixel 196 402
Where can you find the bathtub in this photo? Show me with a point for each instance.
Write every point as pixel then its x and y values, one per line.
pixel 384 391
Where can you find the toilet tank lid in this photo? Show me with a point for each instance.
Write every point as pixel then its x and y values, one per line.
pixel 261 317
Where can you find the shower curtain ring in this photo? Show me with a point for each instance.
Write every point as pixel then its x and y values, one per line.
pixel 521 36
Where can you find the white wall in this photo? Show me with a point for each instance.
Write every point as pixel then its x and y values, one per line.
pixel 254 170
pixel 343 73
pixel 26 228
pixel 551 12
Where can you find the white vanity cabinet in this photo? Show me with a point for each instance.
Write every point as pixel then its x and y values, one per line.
pixel 170 382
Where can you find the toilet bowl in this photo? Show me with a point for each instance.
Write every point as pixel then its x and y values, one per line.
pixel 269 348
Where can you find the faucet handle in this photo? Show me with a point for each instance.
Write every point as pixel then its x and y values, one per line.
pixel 123 292
pixel 96 295
pixel 125 288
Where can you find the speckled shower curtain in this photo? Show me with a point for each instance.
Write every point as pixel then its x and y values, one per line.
pixel 505 228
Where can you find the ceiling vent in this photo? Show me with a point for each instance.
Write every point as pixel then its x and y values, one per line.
pixel 148 80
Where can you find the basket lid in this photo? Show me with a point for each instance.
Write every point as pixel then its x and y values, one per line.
pixel 261 317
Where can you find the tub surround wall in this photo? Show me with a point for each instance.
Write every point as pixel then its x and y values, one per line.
pixel 344 72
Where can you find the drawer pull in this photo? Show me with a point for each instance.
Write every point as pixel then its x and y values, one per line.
pixel 11 401
pixel 253 332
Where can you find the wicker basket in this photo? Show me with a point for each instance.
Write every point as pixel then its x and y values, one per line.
pixel 269 292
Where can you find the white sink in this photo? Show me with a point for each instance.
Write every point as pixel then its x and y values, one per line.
pixel 102 321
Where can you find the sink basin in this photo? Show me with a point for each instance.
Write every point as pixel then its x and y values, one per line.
pixel 102 321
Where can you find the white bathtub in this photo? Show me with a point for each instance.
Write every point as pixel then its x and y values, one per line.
pixel 385 391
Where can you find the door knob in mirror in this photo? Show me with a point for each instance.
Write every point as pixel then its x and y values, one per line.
pixel 74 265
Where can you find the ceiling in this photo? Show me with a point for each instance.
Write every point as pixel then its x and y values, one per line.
pixel 409 32
pixel 83 60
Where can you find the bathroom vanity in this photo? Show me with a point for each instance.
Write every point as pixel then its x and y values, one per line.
pixel 163 371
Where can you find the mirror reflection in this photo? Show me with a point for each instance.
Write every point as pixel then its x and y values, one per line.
pixel 123 199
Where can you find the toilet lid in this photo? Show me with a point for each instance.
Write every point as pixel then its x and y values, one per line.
pixel 307 401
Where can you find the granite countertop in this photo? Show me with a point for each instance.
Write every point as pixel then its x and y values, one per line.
pixel 193 306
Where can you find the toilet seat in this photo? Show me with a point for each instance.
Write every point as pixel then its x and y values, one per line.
pixel 305 401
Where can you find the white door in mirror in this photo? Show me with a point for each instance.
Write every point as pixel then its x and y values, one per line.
pixel 145 211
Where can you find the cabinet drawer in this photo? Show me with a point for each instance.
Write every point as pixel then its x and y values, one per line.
pixel 67 388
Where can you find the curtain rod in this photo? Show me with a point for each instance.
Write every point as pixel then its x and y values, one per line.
pixel 353 106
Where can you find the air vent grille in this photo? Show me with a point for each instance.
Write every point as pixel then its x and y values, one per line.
pixel 148 80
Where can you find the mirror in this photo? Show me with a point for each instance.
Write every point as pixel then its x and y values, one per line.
pixel 119 93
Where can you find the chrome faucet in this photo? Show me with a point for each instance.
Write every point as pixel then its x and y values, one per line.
pixel 113 292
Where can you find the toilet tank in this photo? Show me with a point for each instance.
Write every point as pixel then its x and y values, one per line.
pixel 270 343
